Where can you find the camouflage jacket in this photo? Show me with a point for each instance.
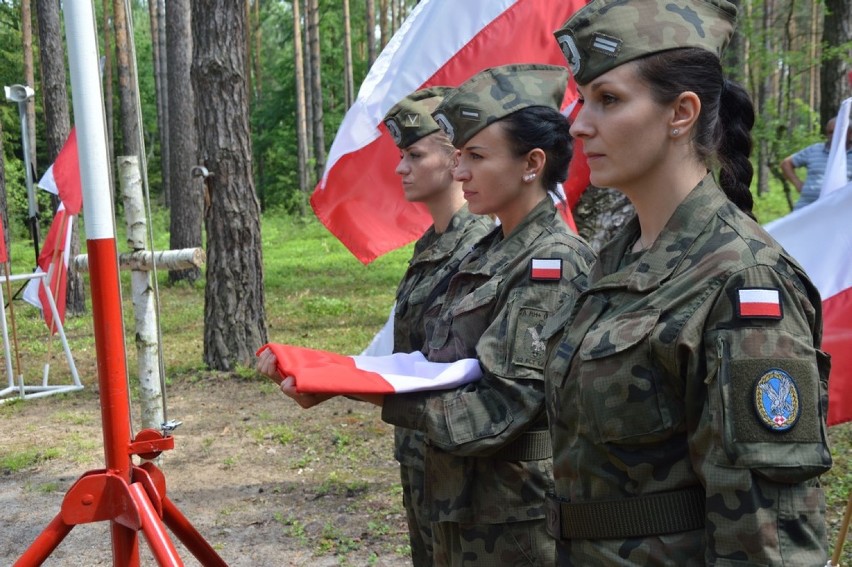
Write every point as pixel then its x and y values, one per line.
pixel 667 374
pixel 494 310
pixel 436 257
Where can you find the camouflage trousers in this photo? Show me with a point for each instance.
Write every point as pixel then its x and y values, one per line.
pixel 512 544
pixel 419 528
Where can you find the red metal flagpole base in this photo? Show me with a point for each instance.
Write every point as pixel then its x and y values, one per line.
pixel 141 505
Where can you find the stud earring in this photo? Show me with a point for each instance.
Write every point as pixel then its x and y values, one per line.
pixel 675 132
pixel 529 177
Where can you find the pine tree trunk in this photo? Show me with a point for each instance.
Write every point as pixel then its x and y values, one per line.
pixel 834 84
pixel 126 88
pixel 309 104
pixel 348 79
pixel 107 82
pixel 234 311
pixel 301 125
pixel 187 199
pixel 161 64
pixel 29 76
pixel 371 33
pixel 316 87
pixel 57 122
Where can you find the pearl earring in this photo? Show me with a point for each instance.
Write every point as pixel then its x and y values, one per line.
pixel 675 132
pixel 529 177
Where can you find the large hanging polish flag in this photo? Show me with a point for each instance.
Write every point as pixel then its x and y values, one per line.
pixel 441 43
pixel 323 372
pixel 62 178
pixel 819 236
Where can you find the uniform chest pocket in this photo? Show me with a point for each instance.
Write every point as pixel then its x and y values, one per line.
pixel 468 317
pixel 622 391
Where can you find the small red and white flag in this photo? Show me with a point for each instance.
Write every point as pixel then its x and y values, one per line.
pixel 359 198
pixel 546 269
pixel 323 372
pixel 62 178
pixel 819 236
pixel 759 303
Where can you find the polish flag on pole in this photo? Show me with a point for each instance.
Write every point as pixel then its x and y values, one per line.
pixel 62 178
pixel 323 372
pixel 440 43
pixel 819 236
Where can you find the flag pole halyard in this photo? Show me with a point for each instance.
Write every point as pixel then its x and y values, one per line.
pixel 132 498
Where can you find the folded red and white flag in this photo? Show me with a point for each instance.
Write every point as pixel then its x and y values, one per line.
pixel 323 372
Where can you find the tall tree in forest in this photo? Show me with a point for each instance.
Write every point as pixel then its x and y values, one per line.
pixel 161 87
pixel 312 16
pixel 371 32
pixel 187 199
pixel 309 81
pixel 29 76
pixel 57 122
pixel 107 81
pixel 301 115
pixel 126 86
pixel 234 309
pixel 837 35
pixel 348 79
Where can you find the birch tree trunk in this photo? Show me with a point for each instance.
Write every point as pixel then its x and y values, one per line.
pixel 234 310
pixel 142 293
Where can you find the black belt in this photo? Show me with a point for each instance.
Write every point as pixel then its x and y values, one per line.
pixel 639 516
pixel 530 446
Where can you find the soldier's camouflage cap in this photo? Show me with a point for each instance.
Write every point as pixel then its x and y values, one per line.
pixel 495 93
pixel 607 33
pixel 411 118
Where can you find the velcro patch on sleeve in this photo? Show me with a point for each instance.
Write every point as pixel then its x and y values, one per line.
pixel 759 303
pixel 529 346
pixel 546 269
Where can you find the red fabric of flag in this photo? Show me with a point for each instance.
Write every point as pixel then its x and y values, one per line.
pixel 359 198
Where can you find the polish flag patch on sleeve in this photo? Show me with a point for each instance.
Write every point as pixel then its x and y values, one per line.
pixel 546 269
pixel 759 303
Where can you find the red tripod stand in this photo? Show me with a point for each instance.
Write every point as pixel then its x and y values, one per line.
pixel 132 498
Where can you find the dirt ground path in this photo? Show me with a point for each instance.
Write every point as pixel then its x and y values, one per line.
pixel 264 482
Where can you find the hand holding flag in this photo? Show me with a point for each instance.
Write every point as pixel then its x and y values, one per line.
pixel 323 372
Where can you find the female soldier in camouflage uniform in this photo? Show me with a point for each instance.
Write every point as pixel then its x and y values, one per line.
pixel 425 166
pixel 487 450
pixel 686 389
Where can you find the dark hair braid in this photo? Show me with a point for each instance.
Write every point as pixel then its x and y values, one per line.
pixel 736 119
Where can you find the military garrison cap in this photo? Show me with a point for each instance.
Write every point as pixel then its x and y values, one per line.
pixel 495 93
pixel 607 33
pixel 411 118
